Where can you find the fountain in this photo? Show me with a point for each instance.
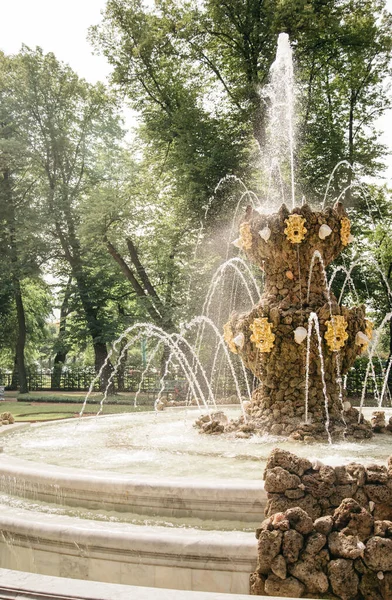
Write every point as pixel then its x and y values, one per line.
pixel 144 499
pixel 301 393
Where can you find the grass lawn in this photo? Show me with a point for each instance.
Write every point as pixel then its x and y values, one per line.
pixel 42 406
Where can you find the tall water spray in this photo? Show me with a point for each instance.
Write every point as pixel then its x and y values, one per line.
pixel 279 150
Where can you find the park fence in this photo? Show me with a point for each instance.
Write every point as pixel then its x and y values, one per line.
pixel 132 380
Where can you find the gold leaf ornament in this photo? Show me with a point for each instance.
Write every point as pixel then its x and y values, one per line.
pixel 345 231
pixel 246 236
pixel 262 335
pixel 229 338
pixel 295 229
pixel 336 334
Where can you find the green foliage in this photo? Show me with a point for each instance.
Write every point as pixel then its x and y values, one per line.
pixel 193 72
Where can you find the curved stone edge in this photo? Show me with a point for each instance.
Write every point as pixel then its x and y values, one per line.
pixel 179 497
pixel 111 552
pixel 17 585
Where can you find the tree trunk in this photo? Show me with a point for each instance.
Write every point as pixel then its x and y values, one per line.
pixel 121 368
pixel 61 354
pixel 101 359
pixel 20 313
pixel 14 377
pixel 21 339
pixel 94 325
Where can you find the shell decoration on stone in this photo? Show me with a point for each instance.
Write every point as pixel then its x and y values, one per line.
pixel 300 334
pixel 336 334
pixel 239 340
pixel 295 230
pixel 324 231
pixel 246 236
pixel 345 233
pixel 265 233
pixel 229 338
pixel 262 335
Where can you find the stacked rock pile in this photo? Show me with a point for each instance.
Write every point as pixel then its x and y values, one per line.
pixel 379 424
pixel 6 418
pixel 275 340
pixel 328 531
pixel 346 556
pixel 319 489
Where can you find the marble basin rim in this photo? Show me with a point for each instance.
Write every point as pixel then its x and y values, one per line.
pixel 155 556
pixel 141 494
pixel 24 585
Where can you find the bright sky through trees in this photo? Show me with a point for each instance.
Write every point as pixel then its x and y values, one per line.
pixel 61 27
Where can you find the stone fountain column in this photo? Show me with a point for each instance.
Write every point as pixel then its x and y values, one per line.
pixel 272 339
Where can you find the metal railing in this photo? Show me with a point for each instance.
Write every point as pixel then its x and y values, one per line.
pixel 80 379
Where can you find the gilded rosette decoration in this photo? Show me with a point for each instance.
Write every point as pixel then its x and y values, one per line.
pixel 229 338
pixel 345 232
pixel 245 236
pixel 336 334
pixel 262 335
pixel 295 230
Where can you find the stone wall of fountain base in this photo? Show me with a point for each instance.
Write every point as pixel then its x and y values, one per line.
pixel 109 552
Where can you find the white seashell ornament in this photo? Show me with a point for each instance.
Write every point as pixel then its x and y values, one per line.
pixel 361 339
pixel 246 405
pixel 324 231
pixel 237 243
pixel 300 334
pixel 239 340
pixel 265 234
pixel 361 546
pixel 317 464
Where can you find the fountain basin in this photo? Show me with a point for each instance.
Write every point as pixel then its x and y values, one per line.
pixel 111 552
pixel 14 584
pixel 171 497
pixel 167 557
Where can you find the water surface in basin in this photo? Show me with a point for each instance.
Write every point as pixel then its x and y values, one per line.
pixel 166 444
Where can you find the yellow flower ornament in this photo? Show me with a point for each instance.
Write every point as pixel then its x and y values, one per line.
pixel 345 232
pixel 336 334
pixel 295 229
pixel 262 335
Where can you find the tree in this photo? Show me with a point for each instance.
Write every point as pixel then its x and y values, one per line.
pixel 171 59
pixel 67 124
pixel 23 249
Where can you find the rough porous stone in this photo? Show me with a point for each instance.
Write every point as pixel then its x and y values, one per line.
pixel 344 580
pixel 344 546
pixel 344 554
pixel 378 554
pixel 290 399
pixel 289 588
pixel 268 547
